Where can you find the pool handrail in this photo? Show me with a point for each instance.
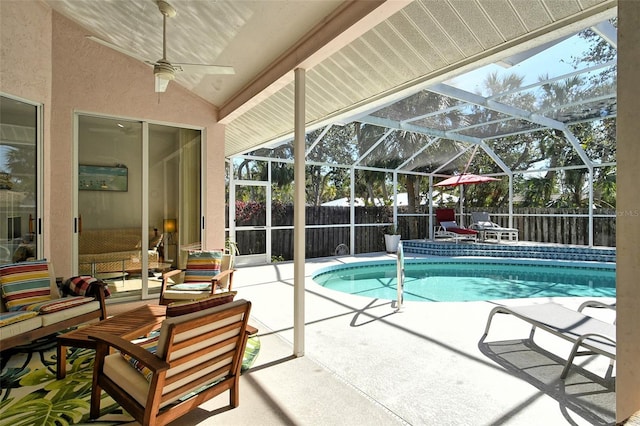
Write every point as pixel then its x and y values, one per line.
pixel 400 276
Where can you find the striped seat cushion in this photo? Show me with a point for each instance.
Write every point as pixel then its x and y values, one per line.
pixel 7 318
pixel 25 283
pixel 56 305
pixel 202 266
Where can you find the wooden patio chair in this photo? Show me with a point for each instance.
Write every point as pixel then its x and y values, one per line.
pixel 205 273
pixel 197 356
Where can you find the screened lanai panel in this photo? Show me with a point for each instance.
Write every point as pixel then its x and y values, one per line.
pixel 393 148
pixel 481 163
pixel 439 156
pixel 518 153
pixel 249 169
pixel 419 105
pixel 282 151
pixel 449 119
pixel 329 187
pixel 465 116
pixel 337 145
pixel 577 90
pixel 536 150
pixel 499 128
pixel 585 111
pixel 373 188
pixel 471 160
pixel 598 139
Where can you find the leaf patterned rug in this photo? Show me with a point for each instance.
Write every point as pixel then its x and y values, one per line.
pixel 31 395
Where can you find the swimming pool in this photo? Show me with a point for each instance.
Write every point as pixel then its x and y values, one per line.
pixel 461 280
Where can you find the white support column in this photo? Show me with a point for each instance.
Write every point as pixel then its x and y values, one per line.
pixel 461 188
pixel 430 221
pixel 232 202
pixel 628 213
pixel 299 214
pixel 591 200
pixel 510 200
pixel 352 212
pixel 395 198
pixel 268 238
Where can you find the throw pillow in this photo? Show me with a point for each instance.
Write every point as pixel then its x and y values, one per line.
pixel 25 283
pixel 202 266
pixel 151 344
pixel 251 352
pixel 181 308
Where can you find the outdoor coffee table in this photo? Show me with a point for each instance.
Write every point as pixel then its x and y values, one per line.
pixel 128 325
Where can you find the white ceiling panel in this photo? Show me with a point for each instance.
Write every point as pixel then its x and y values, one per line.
pixel 423 39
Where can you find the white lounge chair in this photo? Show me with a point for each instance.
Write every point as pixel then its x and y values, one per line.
pixel 589 335
pixel 483 224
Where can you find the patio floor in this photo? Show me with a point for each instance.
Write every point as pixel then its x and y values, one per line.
pixel 367 364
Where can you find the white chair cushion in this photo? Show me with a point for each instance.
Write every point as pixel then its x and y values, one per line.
pixel 21 327
pixel 186 295
pixel 124 375
pixel 55 317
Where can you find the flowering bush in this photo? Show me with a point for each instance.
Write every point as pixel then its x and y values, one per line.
pixel 250 213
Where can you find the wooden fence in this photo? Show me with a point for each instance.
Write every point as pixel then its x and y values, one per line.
pixel 329 228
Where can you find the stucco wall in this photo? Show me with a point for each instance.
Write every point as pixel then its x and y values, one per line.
pixel 46 58
pixel 25 49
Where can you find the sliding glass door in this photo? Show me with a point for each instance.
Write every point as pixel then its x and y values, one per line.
pixel 20 225
pixel 138 201
pixel 174 190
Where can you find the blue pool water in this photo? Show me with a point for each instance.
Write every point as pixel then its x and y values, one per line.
pixel 457 280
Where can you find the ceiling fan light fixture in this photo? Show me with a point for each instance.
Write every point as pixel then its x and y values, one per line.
pixel 164 70
pixel 160 84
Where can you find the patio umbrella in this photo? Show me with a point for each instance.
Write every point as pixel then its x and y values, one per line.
pixel 464 179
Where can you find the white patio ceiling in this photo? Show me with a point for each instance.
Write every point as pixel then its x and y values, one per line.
pixel 421 46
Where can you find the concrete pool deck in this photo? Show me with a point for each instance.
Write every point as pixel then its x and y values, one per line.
pixel 365 363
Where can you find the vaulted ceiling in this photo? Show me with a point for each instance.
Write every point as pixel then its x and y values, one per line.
pixel 359 56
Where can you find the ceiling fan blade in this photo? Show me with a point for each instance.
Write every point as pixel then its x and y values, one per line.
pixel 207 69
pixel 161 84
pixel 119 49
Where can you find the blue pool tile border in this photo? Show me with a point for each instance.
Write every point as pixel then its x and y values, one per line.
pixel 566 253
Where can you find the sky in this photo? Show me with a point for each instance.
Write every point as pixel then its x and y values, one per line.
pixel 555 61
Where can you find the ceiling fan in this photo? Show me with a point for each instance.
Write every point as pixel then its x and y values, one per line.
pixel 163 70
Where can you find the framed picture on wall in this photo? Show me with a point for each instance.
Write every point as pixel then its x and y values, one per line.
pixel 103 178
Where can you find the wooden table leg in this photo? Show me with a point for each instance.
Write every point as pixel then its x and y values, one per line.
pixel 61 370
